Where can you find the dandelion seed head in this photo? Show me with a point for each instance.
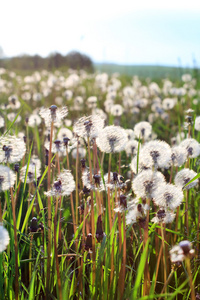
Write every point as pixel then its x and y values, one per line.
pixel 11 117
pixel 88 126
pixel 191 146
pixel 143 130
pixel 63 186
pixel 136 214
pixel 197 123
pixel 168 103
pixel 163 216
pixel 57 147
pixel 116 110
pixel 131 147
pixel 7 178
pixel 146 182
pixel 168 195
pixel 2 122
pixel 112 139
pixel 159 152
pixel 178 156
pixel 179 252
pixel 53 114
pixel 116 181
pixel 81 153
pixel 33 172
pixel 34 120
pixel 183 177
pixel 4 238
pixel 12 149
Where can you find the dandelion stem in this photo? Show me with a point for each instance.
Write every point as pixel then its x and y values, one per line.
pixel 49 214
pixel 166 282
pixel 187 260
pixel 164 261
pixel 186 213
pixel 16 247
pixel 146 271
pixel 77 198
pixel 109 207
pixel 71 197
pixel 55 249
pixel 92 215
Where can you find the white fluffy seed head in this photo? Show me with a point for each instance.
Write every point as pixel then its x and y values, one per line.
pixel 4 238
pixel 183 177
pixel 146 182
pixel 192 147
pixel 168 195
pixel 158 152
pixel 112 139
pixel 7 178
pixel 143 130
pixel 12 149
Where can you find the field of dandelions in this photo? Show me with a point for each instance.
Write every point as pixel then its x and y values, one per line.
pixel 99 182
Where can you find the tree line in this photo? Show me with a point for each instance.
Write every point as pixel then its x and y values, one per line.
pixel 73 60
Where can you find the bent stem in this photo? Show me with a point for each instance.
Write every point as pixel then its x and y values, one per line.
pixel 166 283
pixel 193 297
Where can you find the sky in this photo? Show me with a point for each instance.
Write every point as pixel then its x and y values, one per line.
pixel 124 32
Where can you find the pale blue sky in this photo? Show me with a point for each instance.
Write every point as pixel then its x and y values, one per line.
pixel 148 32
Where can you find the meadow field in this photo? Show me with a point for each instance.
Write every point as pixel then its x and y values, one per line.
pixel 99 182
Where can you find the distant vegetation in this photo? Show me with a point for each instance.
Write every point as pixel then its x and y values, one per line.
pixel 73 60
pixel 153 72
